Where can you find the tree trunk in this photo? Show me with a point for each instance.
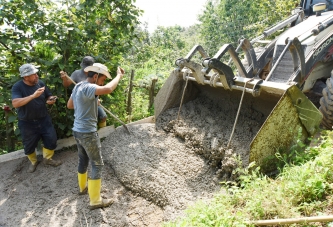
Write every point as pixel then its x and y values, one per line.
pixel 152 92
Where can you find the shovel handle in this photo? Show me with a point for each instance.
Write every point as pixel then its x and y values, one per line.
pixel 65 74
pixel 114 116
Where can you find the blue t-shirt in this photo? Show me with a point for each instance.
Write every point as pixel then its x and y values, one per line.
pixel 85 107
pixel 34 109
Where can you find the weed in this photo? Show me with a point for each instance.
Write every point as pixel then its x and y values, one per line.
pixel 303 188
pixel 3 152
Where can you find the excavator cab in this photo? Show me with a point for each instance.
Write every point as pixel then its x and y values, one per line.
pixel 307 6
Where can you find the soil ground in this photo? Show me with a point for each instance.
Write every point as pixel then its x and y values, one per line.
pixel 153 174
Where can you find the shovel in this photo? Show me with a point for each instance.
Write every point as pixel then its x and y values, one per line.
pixel 114 116
pixel 109 112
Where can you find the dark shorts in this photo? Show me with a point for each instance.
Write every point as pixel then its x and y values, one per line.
pixel 34 130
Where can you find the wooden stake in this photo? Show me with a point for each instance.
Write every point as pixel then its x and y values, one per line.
pixel 129 96
pixel 292 220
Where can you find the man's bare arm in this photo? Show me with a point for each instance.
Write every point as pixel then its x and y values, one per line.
pixel 70 104
pixel 18 102
pixel 109 87
pixel 65 81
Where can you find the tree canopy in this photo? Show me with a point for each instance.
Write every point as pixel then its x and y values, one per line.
pixel 226 21
pixel 56 35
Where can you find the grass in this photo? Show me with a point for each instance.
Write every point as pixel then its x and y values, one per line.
pixel 303 188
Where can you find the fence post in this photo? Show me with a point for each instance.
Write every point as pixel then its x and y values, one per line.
pixel 129 97
pixel 152 92
pixel 9 130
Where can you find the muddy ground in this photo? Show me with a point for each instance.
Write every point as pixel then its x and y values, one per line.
pixel 153 173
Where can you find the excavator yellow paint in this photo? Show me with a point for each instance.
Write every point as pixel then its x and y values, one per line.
pixel 293 112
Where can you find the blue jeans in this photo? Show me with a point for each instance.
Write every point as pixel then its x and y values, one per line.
pixel 34 130
pixel 89 149
pixel 101 113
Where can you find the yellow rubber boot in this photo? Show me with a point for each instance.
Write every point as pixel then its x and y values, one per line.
pixel 102 124
pixel 82 179
pixel 48 154
pixel 33 158
pixel 94 191
pixel 34 162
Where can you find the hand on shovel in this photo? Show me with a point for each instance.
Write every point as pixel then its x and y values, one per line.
pixel 64 75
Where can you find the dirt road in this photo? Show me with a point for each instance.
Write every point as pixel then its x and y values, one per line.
pixel 151 175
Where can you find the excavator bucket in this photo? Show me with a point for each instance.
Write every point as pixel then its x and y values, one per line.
pixel 253 117
pixel 293 116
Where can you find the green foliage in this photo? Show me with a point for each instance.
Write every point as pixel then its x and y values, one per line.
pixel 3 152
pixel 154 56
pixel 300 190
pixel 297 154
pixel 108 32
pixel 56 35
pixel 226 21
